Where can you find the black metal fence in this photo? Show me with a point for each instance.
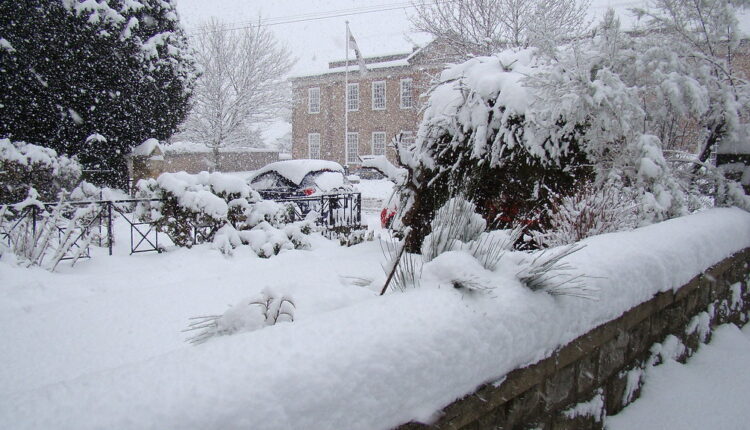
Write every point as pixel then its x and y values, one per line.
pixel 333 211
pixel 143 236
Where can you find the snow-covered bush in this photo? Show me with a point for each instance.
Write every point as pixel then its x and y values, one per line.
pixel 473 141
pixel 191 208
pixel 24 166
pixel 348 236
pixel 40 235
pixel 264 239
pixel 515 131
pixel 458 250
pixel 268 309
pixel 455 223
pixel 221 209
pixel 591 211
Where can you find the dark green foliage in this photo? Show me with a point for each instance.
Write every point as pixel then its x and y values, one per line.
pixel 69 76
pixel 24 166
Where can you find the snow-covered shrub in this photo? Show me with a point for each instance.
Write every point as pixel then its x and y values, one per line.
pixel 348 236
pixel 591 211
pixel 403 269
pixel 456 228
pixel 268 309
pixel 455 223
pixel 546 271
pixel 24 166
pixel 473 141
pixel 86 191
pixel 191 208
pixel 221 209
pixel 39 235
pixel 264 239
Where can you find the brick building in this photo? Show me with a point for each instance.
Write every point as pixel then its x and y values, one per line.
pixel 381 103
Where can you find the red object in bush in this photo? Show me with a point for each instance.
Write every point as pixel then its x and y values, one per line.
pixel 386 217
pixel 309 191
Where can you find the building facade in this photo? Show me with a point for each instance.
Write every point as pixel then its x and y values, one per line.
pixel 380 104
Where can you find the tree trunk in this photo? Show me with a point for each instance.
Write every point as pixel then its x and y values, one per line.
pixel 717 132
pixel 216 167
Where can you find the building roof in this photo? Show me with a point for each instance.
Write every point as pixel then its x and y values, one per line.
pixel 419 55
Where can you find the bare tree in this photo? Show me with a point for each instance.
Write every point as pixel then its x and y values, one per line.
pixel 481 27
pixel 242 84
pixel 708 33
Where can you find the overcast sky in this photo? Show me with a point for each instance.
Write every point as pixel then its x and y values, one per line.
pixel 316 42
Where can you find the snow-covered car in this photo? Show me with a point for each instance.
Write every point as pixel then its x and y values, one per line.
pixel 295 178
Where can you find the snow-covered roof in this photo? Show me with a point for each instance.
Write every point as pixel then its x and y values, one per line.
pixel 354 67
pixel 147 148
pixel 296 170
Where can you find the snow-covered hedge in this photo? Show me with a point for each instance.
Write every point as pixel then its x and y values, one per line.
pixel 24 166
pixel 218 208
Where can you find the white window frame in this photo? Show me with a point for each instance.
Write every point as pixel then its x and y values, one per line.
pixel 352 142
pixel 313 100
pixel 409 94
pixel 352 97
pixel 378 135
pixel 313 140
pixel 376 84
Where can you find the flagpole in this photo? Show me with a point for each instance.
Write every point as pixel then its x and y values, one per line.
pixel 346 101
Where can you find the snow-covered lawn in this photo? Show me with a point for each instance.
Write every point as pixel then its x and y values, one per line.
pixel 100 345
pixel 711 391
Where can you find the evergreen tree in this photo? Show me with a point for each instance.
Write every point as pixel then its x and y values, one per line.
pixel 93 79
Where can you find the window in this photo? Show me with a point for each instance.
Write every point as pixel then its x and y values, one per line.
pixel 352 148
pixel 313 100
pixel 406 95
pixel 378 143
pixel 378 95
pixel 352 97
pixel 407 137
pixel 313 145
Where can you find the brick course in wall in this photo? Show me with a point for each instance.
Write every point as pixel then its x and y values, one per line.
pixel 599 362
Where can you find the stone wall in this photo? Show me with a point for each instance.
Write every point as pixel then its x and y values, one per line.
pixel 141 167
pixel 597 366
pixel 229 161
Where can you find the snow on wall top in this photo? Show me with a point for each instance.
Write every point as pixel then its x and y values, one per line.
pixel 386 360
pixel 296 170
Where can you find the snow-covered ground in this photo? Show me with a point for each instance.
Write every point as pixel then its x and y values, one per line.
pixel 709 392
pixel 101 345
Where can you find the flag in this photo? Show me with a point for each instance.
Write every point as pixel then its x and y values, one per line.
pixel 352 44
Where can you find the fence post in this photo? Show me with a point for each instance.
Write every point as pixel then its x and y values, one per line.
pixel 33 222
pixel 359 209
pixel 110 235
